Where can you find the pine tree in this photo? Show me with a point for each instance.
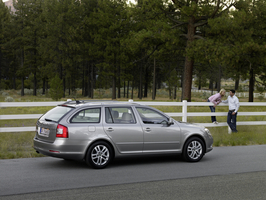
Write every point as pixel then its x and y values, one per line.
pixel 4 21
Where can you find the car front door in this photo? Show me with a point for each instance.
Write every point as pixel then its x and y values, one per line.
pixel 159 136
pixel 124 130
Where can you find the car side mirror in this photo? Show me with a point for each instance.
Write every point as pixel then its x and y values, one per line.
pixel 170 122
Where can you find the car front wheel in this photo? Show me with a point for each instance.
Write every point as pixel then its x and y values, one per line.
pixel 99 155
pixel 193 150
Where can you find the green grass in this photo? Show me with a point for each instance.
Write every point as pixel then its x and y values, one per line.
pixel 19 145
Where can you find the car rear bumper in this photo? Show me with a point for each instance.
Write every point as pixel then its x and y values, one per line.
pixel 57 150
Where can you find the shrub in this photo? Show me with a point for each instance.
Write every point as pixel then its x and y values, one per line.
pixel 4 94
pixel 9 99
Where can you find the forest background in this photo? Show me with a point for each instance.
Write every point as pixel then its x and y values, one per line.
pixel 62 46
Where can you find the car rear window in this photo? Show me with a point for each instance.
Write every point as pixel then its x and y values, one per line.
pixel 56 113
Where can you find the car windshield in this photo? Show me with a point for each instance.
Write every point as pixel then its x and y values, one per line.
pixel 56 113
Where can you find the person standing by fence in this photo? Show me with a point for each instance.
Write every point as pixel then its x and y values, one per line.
pixel 216 99
pixel 233 103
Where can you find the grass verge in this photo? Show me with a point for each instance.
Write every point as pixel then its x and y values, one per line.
pixel 20 145
pixel 17 145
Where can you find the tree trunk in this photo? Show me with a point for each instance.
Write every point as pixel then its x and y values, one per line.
pixel 43 86
pixel 154 80
pixel 187 80
pixel 124 89
pixel 1 69
pixel 140 82
pixel 22 78
pixel 146 82
pixel 170 93
pixel 83 80
pixel 35 85
pixel 22 86
pixel 119 83
pixel 92 81
pixel 237 83
pixel 114 87
pixel 127 88
pixel 64 87
pixel 132 90
pixel 219 79
pixel 175 92
pixel 189 62
pixel 88 75
pixel 199 86
pixel 69 86
pixel 251 85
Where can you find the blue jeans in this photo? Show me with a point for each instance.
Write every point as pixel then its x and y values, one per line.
pixel 231 121
pixel 212 110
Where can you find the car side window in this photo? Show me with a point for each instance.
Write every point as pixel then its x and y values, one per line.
pixel 91 115
pixel 150 116
pixel 119 115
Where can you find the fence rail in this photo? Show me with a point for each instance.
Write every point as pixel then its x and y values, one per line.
pixel 184 114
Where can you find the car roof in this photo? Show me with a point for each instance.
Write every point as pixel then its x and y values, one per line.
pixel 81 103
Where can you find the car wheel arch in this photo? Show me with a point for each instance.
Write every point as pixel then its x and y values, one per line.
pixel 197 136
pixel 99 140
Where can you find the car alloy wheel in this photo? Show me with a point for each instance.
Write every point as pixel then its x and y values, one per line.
pixel 99 155
pixel 193 150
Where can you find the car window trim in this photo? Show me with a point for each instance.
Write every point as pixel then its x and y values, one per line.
pixel 128 107
pixel 71 118
pixel 156 111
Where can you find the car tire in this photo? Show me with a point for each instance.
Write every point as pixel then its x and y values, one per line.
pixel 99 155
pixel 194 149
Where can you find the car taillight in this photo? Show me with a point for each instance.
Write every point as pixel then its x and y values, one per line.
pixel 61 131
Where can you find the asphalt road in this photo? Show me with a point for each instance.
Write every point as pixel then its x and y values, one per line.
pixel 225 173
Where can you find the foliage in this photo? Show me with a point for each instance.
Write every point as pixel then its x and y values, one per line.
pixel 94 44
pixel 56 90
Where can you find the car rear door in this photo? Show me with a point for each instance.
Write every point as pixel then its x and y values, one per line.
pixel 124 130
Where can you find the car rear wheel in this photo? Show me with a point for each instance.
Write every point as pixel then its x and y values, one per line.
pixel 193 150
pixel 99 155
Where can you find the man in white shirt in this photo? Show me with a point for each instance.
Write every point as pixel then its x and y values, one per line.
pixel 233 103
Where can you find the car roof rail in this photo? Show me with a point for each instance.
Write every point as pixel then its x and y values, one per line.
pixel 69 101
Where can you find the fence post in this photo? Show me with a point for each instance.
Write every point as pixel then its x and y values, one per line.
pixel 184 111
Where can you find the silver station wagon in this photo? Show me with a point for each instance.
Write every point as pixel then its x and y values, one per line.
pixel 99 131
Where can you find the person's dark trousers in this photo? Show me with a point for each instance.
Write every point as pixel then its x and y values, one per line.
pixel 231 120
pixel 212 110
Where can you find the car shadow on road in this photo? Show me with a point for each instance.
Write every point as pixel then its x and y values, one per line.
pixel 117 162
pixel 146 160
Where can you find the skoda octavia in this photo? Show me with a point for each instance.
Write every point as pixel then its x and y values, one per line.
pixel 99 131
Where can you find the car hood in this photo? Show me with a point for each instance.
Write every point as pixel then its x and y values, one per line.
pixel 192 125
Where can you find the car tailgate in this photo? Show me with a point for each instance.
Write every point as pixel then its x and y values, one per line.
pixel 46 131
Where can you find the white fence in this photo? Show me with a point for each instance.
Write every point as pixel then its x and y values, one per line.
pixel 238 94
pixel 184 114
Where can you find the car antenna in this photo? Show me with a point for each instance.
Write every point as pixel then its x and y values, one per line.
pixel 77 101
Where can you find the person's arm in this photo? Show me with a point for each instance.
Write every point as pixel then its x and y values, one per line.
pixel 225 101
pixel 213 99
pixel 237 104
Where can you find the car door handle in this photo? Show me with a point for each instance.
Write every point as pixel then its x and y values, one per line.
pixel 148 129
pixel 110 129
